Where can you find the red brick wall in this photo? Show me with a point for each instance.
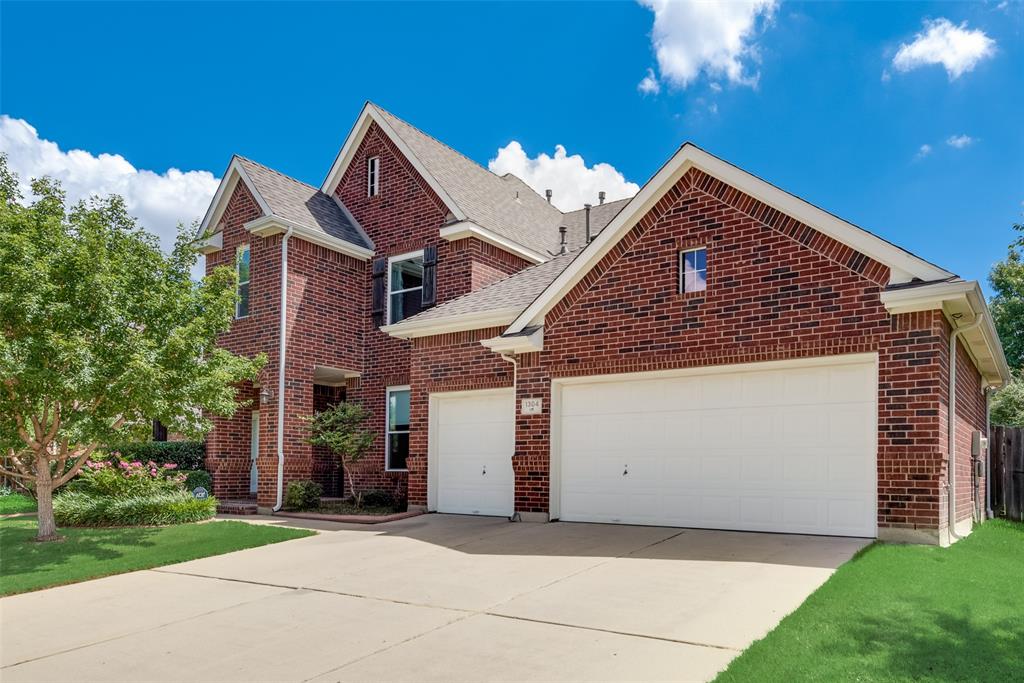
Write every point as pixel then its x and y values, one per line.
pixel 448 362
pixel 777 290
pixel 970 417
pixel 404 217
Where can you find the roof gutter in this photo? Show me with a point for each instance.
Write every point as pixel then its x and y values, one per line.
pixel 273 225
pixel 282 348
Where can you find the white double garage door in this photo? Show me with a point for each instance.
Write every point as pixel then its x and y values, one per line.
pixel 788 446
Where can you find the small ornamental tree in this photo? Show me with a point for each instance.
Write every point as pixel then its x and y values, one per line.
pixel 342 430
pixel 100 333
pixel 1007 406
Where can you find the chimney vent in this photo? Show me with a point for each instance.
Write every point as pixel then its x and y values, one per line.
pixel 548 193
pixel 600 197
pixel 562 230
pixel 586 208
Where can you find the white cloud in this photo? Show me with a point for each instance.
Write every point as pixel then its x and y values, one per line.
pixel 158 200
pixel 716 38
pixel 649 85
pixel 567 176
pixel 956 48
pixel 923 151
pixel 959 141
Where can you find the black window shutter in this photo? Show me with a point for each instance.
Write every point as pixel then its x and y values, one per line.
pixel 429 276
pixel 380 269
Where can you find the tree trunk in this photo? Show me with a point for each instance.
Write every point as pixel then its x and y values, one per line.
pixel 356 498
pixel 44 499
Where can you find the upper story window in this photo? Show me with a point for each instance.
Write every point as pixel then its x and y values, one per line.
pixel 373 176
pixel 693 270
pixel 242 268
pixel 405 286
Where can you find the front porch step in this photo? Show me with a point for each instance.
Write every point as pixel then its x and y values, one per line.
pixel 237 507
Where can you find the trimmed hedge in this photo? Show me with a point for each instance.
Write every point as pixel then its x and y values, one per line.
pixel 187 455
pixel 303 495
pixel 77 508
pixel 198 478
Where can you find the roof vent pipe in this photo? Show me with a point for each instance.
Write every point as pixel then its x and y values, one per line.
pixel 586 209
pixel 562 230
pixel 600 197
pixel 547 194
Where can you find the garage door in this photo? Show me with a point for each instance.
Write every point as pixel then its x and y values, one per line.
pixel 761 448
pixel 473 437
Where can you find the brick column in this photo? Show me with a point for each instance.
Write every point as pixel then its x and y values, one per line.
pixel 531 462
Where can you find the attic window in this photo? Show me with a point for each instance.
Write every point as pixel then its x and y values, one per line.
pixel 693 270
pixel 373 176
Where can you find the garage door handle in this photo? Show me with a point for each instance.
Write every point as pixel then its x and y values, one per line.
pixel 485 470
pixel 626 470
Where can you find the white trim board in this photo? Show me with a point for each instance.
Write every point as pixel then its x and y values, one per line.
pixel 464 229
pixel 234 172
pixel 904 266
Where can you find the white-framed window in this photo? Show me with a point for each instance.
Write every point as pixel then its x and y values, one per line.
pixel 373 176
pixel 693 270
pixel 405 286
pixel 397 443
pixel 242 268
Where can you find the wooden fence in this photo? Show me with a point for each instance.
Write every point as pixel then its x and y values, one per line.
pixel 1007 462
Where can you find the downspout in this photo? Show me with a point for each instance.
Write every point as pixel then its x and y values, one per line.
pixel 515 378
pixel 988 457
pixel 282 348
pixel 951 412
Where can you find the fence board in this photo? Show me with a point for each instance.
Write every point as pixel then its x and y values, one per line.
pixel 1007 462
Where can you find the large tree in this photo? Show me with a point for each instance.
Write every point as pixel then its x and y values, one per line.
pixel 100 333
pixel 1007 279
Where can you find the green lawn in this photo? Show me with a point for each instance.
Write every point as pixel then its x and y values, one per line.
pixel 16 502
pixel 906 613
pixel 91 553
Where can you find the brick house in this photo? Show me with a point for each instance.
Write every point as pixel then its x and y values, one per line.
pixel 713 352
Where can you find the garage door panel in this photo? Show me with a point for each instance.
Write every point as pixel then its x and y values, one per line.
pixel 474 439
pixel 774 450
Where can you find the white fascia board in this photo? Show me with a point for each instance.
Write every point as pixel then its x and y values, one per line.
pixel 369 115
pixel 958 296
pixel 518 344
pixel 413 329
pixel 464 229
pixel 903 265
pixel 211 244
pixel 226 188
pixel 272 225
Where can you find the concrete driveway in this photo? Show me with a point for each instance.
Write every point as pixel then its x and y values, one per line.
pixel 435 597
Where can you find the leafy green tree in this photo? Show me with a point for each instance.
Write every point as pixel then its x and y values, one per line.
pixel 100 333
pixel 1007 279
pixel 342 430
pixel 1007 407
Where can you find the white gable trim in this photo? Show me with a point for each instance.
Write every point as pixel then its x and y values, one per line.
pixel 223 195
pixel 368 115
pixel 272 225
pixel 412 328
pixel 464 229
pixel 903 265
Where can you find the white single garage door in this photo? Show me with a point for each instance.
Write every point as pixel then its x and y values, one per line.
pixel 472 438
pixel 766 447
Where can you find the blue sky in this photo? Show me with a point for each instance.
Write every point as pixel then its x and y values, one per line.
pixel 816 98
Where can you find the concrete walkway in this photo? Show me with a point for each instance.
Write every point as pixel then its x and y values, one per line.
pixel 435 597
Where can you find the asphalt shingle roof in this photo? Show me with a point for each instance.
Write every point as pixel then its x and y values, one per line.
pixel 295 201
pixel 503 204
pixel 516 291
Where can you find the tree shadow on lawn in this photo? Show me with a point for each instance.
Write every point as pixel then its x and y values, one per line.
pixel 949 647
pixel 21 554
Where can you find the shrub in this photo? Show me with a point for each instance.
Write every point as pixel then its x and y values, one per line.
pixel 378 499
pixel 197 478
pixel 303 495
pixel 187 455
pixel 127 479
pixel 78 508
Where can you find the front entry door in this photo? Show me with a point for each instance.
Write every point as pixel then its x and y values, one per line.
pixel 254 451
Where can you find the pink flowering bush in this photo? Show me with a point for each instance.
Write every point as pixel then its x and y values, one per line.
pixel 121 479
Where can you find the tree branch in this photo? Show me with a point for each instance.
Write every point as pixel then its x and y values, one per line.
pixel 8 473
pixel 77 466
